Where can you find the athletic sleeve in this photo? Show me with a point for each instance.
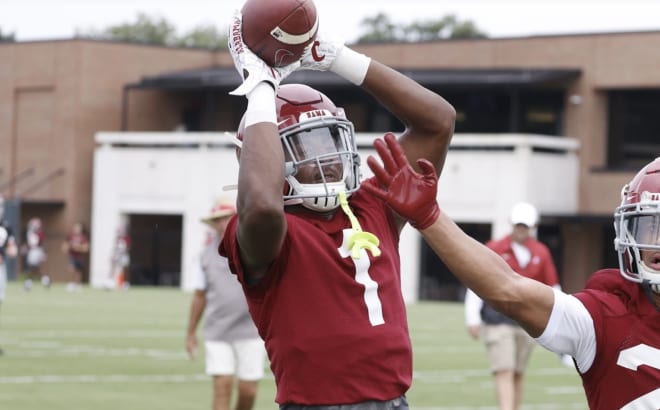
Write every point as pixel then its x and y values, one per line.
pixel 198 277
pixel 473 305
pixel 570 330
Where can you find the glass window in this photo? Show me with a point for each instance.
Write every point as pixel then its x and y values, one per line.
pixel 634 128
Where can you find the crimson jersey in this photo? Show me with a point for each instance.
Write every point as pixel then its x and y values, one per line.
pixel 625 373
pixel 335 328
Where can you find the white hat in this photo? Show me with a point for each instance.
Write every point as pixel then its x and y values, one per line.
pixel 524 213
pixel 221 209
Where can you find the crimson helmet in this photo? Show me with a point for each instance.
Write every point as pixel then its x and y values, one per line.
pixel 637 225
pixel 315 133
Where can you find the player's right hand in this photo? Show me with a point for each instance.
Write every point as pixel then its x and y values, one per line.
pixel 251 68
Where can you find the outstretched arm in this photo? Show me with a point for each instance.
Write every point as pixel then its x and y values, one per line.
pixel 413 196
pixel 428 118
pixel 525 300
pixel 261 220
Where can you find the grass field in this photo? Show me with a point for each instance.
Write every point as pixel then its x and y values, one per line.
pixel 101 350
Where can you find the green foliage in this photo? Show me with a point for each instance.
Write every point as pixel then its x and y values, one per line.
pixel 159 31
pixel 380 28
pixel 107 350
pixel 7 37
pixel 204 37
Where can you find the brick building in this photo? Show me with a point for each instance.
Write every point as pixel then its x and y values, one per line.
pixel 599 91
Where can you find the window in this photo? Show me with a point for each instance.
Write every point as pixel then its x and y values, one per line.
pixel 634 128
pixel 509 111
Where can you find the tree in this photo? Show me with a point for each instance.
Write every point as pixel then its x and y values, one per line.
pixel 204 37
pixel 7 37
pixel 159 31
pixel 380 28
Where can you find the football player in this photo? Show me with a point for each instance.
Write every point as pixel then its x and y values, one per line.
pixel 318 258
pixel 611 328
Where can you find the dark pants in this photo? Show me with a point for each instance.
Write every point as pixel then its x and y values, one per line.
pixel 400 403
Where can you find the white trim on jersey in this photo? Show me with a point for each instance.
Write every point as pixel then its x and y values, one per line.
pixel 198 276
pixel 473 305
pixel 570 330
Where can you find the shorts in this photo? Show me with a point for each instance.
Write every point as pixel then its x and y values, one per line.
pixel 508 346
pixel 400 403
pixel 35 257
pixel 244 358
pixel 77 264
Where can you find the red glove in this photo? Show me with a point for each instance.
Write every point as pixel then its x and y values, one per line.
pixel 409 193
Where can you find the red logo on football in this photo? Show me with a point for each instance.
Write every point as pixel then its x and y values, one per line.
pixel 279 30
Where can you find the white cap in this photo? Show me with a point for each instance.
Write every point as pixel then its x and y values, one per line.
pixel 524 213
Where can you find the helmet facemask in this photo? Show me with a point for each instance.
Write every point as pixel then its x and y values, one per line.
pixel 637 227
pixel 321 160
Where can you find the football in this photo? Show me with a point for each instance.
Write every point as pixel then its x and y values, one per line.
pixel 279 30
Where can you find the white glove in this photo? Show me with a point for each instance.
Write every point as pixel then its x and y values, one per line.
pixel 251 68
pixel 328 53
pixel 321 53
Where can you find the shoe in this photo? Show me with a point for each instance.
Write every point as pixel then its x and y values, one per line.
pixel 45 281
pixel 27 285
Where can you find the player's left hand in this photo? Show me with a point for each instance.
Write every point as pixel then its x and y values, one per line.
pixel 321 53
pixel 409 193
pixel 251 68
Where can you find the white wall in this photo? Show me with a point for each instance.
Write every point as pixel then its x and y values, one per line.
pixel 156 173
pixel 157 180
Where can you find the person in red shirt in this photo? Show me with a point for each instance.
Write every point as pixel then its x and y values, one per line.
pixel 77 247
pixel 508 346
pixel 611 328
pixel 320 265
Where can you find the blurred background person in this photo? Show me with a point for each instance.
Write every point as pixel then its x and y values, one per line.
pixel 7 250
pixel 233 347
pixel 120 259
pixel 35 254
pixel 507 344
pixel 76 246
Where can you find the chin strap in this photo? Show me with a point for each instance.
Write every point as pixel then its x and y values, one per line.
pixel 650 294
pixel 359 240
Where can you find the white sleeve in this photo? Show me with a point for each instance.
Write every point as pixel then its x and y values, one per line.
pixel 473 305
pixel 570 330
pixel 199 279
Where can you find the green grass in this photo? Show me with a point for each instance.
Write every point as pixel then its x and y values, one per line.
pixel 101 350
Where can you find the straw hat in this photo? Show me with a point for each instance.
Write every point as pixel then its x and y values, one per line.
pixel 221 209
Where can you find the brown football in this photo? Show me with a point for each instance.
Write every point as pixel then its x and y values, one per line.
pixel 279 30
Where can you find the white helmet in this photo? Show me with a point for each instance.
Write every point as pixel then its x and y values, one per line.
pixel 637 226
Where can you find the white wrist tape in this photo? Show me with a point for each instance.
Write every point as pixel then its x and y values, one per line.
pixel 261 105
pixel 351 65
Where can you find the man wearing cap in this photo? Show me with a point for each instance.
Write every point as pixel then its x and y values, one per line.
pixel 232 345
pixel 508 346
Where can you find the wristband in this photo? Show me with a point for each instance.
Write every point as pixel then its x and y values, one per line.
pixel 351 65
pixel 428 220
pixel 261 105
